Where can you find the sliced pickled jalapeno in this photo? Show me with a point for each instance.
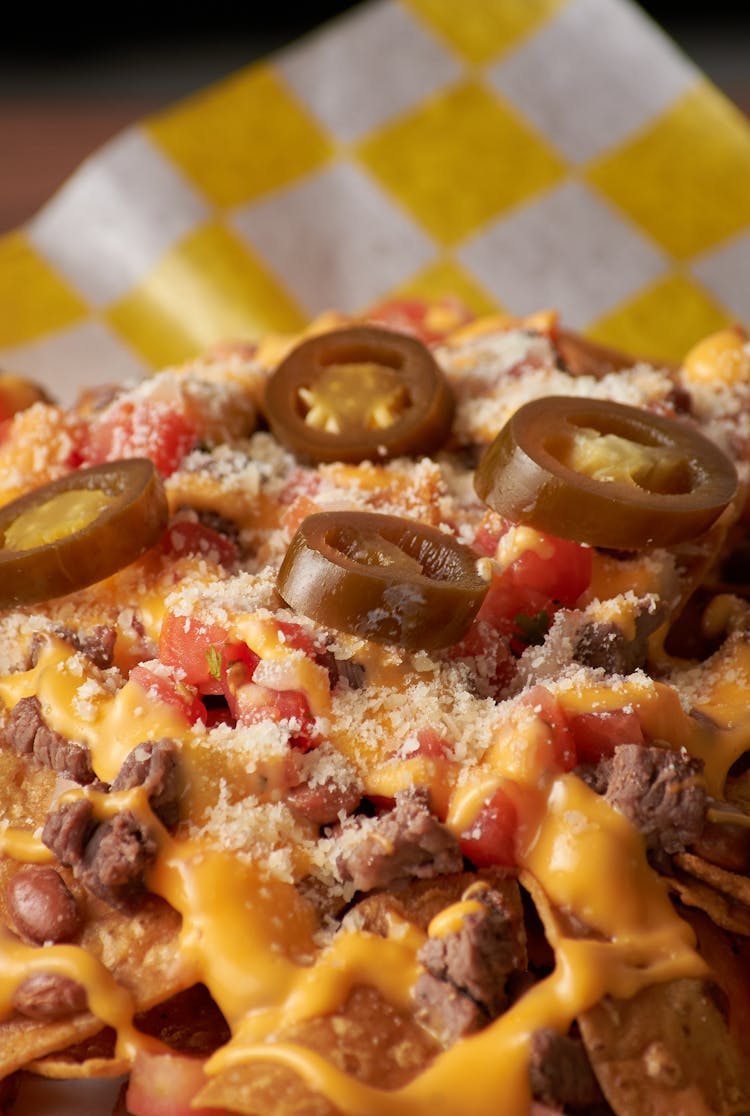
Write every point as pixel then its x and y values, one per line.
pixel 605 474
pixel 359 393
pixel 382 577
pixel 79 529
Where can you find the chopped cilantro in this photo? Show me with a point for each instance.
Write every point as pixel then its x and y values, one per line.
pixel 531 630
pixel 213 658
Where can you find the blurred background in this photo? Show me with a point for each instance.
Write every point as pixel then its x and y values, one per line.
pixel 69 82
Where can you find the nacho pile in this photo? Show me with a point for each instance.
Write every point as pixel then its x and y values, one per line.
pixel 376 723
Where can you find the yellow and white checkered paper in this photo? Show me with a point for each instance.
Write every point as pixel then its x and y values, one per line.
pixel 523 154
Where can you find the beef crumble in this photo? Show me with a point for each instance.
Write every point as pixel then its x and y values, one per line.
pixel 660 791
pixel 153 765
pixel 108 858
pixel 407 843
pixel 465 983
pixel 30 735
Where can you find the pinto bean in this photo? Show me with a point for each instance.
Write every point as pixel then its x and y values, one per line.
pixel 49 996
pixel 322 803
pixel 41 906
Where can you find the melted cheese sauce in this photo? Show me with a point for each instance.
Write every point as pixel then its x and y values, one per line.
pixel 255 942
pixel 587 859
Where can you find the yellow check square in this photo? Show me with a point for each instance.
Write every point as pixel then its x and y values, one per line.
pixel 206 290
pixel 244 137
pixel 663 321
pixel 484 29
pixel 34 298
pixel 459 160
pixel 685 179
pixel 447 279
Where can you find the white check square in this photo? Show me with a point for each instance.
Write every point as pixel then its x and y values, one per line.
pixel 364 69
pixel 593 74
pixel 335 239
pixel 81 356
pixel 568 250
pixel 115 218
pixel 725 272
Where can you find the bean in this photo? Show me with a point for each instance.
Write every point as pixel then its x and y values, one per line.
pixel 49 996
pixel 41 906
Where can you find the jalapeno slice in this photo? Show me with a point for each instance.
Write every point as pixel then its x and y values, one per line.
pixel 580 356
pixel 605 474
pixel 383 578
pixel 359 393
pixel 79 529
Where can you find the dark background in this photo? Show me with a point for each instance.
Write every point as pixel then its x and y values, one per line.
pixel 70 80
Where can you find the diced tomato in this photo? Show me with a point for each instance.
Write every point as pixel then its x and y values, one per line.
pixel 490 839
pixel 260 703
pixel 522 600
pixel 563 753
pixel 141 429
pixel 431 744
pixel 165 1084
pixel 189 536
pixel 296 637
pixel 161 687
pixel 560 569
pixel 489 651
pixel 429 320
pixel 298 498
pixel 203 652
pixel 598 734
pixel 489 533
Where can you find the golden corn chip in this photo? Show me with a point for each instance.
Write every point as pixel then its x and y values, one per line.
pixel 721 907
pixel 733 885
pixel 94 1057
pixel 367 1039
pixel 666 1050
pixel 728 956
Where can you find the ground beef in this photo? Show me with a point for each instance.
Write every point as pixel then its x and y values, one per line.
pixel 606 646
pixel 115 859
pixel 466 978
pixel 67 829
pixel 342 672
pixel 97 645
pixel 445 1012
pixel 29 734
pixel 560 1074
pixel 660 791
pixel 108 858
pixel 153 765
pixel 407 843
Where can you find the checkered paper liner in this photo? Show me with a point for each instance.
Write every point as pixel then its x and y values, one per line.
pixel 523 154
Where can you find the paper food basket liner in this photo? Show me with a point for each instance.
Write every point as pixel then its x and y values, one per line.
pixel 523 154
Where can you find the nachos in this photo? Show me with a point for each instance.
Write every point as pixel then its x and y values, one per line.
pixel 374 726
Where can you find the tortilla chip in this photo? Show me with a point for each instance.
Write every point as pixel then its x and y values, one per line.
pixel 732 884
pixel 666 1051
pixel 189 1023
pixel 723 910
pixel 138 949
pixel 368 1038
pixel 728 956
pixel 94 1057
pixel 420 901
